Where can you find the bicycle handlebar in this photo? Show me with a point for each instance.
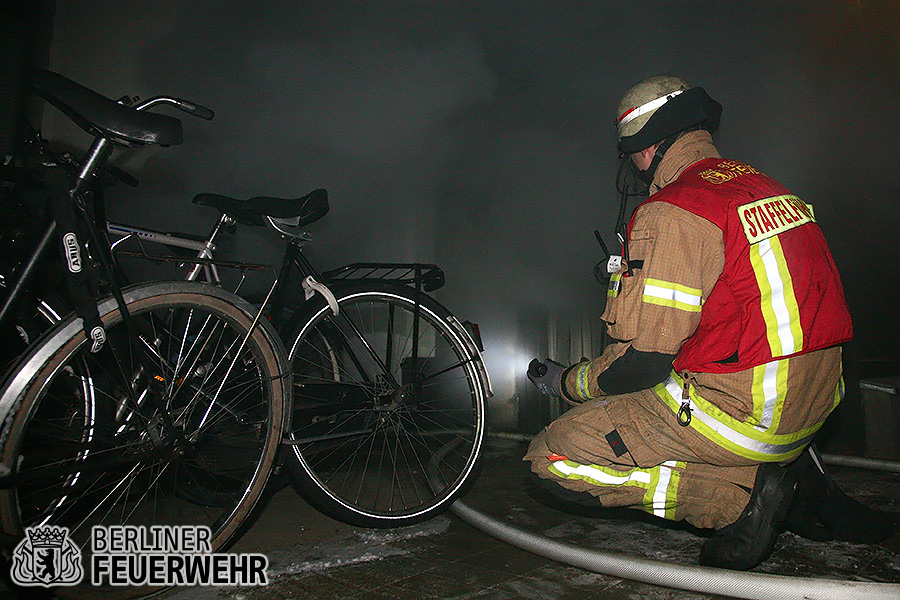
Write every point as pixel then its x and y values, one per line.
pixel 185 105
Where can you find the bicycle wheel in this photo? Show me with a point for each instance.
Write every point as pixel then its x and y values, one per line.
pixel 389 406
pixel 35 317
pixel 176 421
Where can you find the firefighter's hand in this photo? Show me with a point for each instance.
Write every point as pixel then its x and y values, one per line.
pixel 547 376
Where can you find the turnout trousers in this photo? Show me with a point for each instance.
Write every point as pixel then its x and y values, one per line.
pixel 630 450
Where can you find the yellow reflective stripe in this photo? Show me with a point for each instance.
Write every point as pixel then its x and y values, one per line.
pixel 660 482
pixel 779 305
pixel 662 495
pixel 674 295
pixel 582 378
pixel 740 438
pixel 790 299
pixel 758 393
pixel 672 494
pixel 768 392
pixel 615 283
pixel 597 475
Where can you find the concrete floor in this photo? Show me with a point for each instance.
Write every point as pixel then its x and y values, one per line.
pixel 312 556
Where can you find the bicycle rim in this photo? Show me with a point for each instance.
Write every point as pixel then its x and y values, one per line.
pixel 176 422
pixel 384 391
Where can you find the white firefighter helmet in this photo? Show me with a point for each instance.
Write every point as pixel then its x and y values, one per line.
pixel 660 106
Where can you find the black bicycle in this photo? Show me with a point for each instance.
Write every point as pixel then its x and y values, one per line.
pixel 161 404
pixel 388 384
pixel 177 419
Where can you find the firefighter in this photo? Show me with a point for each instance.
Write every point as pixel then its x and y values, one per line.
pixel 727 315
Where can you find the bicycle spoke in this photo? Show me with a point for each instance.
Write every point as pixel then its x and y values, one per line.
pixel 120 439
pixel 421 392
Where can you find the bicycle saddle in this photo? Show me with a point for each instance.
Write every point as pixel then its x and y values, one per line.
pixel 253 211
pixel 100 116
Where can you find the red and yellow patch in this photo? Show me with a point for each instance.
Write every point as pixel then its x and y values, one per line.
pixel 768 217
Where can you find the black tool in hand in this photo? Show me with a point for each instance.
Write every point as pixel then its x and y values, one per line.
pixel 546 376
pixel 536 368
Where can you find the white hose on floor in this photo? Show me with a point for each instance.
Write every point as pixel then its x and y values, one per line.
pixel 859 462
pixel 724 582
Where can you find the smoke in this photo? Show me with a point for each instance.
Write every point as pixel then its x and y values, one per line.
pixel 479 135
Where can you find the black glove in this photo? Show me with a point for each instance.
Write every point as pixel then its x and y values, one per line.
pixel 547 376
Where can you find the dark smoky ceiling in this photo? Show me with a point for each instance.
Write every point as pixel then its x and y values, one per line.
pixel 479 134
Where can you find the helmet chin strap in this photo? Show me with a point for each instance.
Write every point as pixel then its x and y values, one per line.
pixel 647 175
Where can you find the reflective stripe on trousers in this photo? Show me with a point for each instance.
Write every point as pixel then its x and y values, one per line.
pixel 660 482
pixel 750 440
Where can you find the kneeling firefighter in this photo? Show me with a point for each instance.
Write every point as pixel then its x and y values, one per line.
pixel 727 315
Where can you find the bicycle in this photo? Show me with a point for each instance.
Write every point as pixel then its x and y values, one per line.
pixel 385 377
pixel 177 417
pixel 382 373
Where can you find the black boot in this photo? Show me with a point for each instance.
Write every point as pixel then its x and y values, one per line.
pixel 750 539
pixel 823 512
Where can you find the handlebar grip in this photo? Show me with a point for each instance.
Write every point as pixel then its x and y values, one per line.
pixel 195 109
pixel 536 368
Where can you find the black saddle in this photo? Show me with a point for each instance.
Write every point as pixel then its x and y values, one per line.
pixel 100 116
pixel 253 211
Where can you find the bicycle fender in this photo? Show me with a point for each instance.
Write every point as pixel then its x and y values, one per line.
pixel 311 286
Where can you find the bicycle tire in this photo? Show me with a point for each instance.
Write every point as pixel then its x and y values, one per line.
pixel 77 449
pixel 367 431
pixel 41 314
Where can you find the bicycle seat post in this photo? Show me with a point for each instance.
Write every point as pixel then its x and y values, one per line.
pixel 96 156
pixel 222 223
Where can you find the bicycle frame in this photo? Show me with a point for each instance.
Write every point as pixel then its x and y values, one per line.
pixel 423 277
pixel 204 249
pixel 110 123
pixel 205 263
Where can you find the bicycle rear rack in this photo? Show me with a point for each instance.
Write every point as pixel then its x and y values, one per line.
pixel 426 277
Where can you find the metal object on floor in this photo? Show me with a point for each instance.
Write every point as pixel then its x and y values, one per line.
pixel 859 462
pixel 737 584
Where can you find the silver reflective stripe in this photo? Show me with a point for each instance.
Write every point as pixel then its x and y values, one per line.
pixel 661 493
pixel 779 304
pixel 672 295
pixel 770 388
pixel 597 475
pixel 660 483
pixel 727 433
